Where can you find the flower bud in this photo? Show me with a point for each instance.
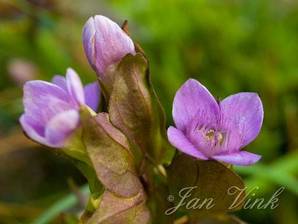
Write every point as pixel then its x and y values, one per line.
pixel 105 43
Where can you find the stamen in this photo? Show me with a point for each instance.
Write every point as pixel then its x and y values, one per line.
pixel 220 138
pixel 210 134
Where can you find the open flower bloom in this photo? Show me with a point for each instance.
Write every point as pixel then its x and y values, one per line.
pixel 207 129
pixel 105 43
pixel 52 109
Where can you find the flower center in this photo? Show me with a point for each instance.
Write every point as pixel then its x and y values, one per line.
pixel 213 136
pixel 210 134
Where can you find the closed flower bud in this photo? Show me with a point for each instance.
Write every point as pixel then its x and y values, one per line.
pixel 105 43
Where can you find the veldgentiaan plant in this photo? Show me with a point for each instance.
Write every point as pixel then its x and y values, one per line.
pixel 124 151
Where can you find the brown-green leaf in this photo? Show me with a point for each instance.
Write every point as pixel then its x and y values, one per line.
pixel 135 110
pixel 114 209
pixel 110 156
pixel 123 200
pixel 203 187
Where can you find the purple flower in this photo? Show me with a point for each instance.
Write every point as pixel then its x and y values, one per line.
pixel 52 109
pixel 206 129
pixel 105 43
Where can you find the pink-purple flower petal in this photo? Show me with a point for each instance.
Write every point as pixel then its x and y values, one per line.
pixel 43 100
pixel 60 127
pixel 92 95
pixel 242 115
pixel 180 141
pixel 88 41
pixel 75 87
pixel 60 81
pixel 34 131
pixel 241 158
pixel 194 101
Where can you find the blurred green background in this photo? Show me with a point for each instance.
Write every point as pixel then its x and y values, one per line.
pixel 229 45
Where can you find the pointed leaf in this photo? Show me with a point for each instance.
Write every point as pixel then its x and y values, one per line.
pixel 135 110
pixel 124 199
pixel 110 156
pixel 204 187
pixel 114 209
